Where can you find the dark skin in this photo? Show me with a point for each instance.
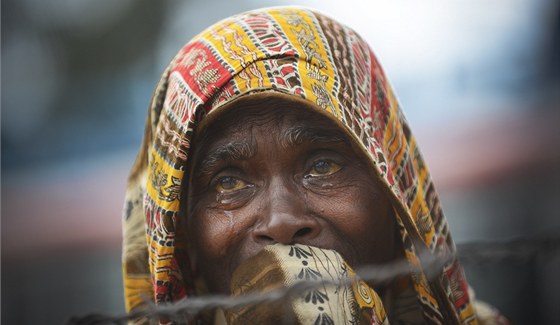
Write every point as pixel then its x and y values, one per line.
pixel 271 170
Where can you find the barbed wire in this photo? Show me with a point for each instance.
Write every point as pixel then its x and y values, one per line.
pixel 518 251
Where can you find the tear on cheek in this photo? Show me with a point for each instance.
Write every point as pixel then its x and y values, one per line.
pixel 223 199
pixel 329 188
pixel 229 216
pixel 231 201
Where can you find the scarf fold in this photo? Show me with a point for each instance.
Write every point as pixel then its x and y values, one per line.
pixel 295 52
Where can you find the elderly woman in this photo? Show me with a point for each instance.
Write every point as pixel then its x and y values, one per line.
pixel 275 151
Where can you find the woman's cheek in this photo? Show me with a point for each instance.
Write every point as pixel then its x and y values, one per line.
pixel 214 231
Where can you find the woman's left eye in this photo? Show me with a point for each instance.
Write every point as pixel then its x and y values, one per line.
pixel 323 168
pixel 228 184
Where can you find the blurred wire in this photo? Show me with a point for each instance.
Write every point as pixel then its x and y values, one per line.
pixel 514 251
pixel 518 250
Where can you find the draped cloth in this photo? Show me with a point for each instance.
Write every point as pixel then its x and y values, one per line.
pixel 338 297
pixel 306 55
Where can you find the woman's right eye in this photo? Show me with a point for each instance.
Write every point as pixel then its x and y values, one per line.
pixel 228 184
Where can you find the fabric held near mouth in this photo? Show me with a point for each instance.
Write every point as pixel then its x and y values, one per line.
pixel 337 296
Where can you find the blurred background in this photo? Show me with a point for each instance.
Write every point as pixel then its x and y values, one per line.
pixel 479 82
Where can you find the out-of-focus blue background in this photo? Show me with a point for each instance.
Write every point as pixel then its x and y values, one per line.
pixel 479 82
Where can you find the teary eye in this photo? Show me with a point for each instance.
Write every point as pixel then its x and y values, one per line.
pixel 227 184
pixel 323 168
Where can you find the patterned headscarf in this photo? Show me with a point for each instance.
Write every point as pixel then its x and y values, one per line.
pixel 300 53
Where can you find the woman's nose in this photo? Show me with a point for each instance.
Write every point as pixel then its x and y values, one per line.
pixel 285 218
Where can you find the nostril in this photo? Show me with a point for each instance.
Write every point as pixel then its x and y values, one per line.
pixel 288 230
pixel 266 239
pixel 302 232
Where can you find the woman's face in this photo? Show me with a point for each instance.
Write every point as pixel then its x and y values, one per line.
pixel 274 171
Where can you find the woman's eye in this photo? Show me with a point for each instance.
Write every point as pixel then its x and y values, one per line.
pixel 229 184
pixel 323 168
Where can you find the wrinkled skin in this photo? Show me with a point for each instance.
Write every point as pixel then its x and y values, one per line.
pixel 271 170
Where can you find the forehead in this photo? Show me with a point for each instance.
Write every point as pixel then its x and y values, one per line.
pixel 268 113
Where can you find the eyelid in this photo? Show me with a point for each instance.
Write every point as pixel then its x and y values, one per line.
pixel 226 171
pixel 336 157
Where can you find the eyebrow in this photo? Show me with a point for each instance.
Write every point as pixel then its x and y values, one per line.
pixel 290 137
pixel 298 135
pixel 228 151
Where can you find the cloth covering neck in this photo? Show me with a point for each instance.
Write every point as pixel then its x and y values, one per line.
pixel 302 54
